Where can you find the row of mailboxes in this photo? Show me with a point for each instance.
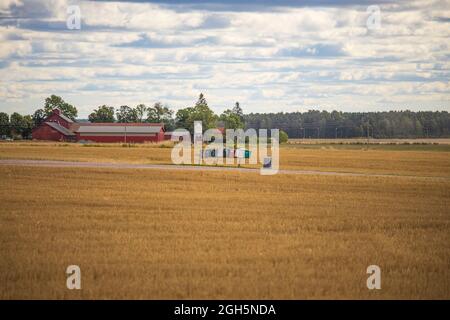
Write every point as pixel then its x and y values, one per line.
pixel 228 153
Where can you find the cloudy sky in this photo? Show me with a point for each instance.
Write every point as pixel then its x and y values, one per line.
pixel 271 56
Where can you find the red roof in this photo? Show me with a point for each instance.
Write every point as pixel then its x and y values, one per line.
pixel 60 128
pixel 77 125
pixel 133 124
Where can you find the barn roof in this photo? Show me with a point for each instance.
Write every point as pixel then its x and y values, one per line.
pixel 60 128
pixel 66 118
pixel 61 115
pixel 118 127
pixel 119 124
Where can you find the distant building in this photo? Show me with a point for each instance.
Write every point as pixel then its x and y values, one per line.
pixel 58 127
pixel 168 135
pixel 176 135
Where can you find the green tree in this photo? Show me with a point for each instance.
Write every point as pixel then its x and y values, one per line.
pixel 18 124
pixel 54 102
pixel 418 129
pixel 38 117
pixel 200 112
pixel 238 111
pixel 231 119
pixel 5 129
pixel 125 114
pixel 201 100
pixel 140 111
pixel 204 114
pixel 283 137
pixel 160 113
pixel 28 126
pixel 183 116
pixel 102 114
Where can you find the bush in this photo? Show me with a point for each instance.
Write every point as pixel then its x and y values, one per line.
pixel 283 137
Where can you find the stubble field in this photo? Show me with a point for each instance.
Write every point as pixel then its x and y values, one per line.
pixel 393 159
pixel 174 234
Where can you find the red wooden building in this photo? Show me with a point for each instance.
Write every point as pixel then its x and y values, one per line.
pixel 58 127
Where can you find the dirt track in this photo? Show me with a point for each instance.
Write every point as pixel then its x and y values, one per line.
pixel 75 164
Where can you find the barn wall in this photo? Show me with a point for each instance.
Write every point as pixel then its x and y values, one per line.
pixel 161 135
pixel 45 132
pixel 121 138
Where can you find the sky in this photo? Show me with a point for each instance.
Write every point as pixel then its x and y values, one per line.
pixel 271 56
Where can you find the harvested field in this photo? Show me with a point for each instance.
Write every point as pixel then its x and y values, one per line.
pixel 166 234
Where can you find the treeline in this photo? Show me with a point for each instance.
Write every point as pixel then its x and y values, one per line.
pixel 311 124
pixel 335 124
pixel 15 126
pixel 18 126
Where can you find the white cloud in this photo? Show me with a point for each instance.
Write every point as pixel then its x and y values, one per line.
pixel 286 60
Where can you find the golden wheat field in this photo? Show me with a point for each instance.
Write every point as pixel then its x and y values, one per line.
pixel 161 234
pixel 422 160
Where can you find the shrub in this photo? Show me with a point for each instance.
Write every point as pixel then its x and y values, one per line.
pixel 283 137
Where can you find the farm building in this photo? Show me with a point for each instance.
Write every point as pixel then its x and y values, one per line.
pixel 58 127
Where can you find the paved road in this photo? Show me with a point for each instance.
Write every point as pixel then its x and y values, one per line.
pixel 75 164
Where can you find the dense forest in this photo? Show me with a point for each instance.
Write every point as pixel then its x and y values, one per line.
pixel 323 124
pixel 311 124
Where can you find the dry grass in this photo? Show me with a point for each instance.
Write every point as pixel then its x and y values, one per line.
pixel 162 234
pixel 443 141
pixel 138 153
pixel 396 160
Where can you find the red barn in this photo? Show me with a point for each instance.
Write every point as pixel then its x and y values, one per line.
pixel 58 127
pixel 55 127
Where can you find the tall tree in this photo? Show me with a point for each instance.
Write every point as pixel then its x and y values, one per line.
pixel 28 126
pixel 183 116
pixel 38 117
pixel 231 119
pixel 5 129
pixel 102 114
pixel 238 111
pixel 54 102
pixel 201 100
pixel 125 114
pixel 200 112
pixel 140 111
pixel 18 124
pixel 160 113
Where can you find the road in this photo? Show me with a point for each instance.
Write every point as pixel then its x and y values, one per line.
pixel 75 164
